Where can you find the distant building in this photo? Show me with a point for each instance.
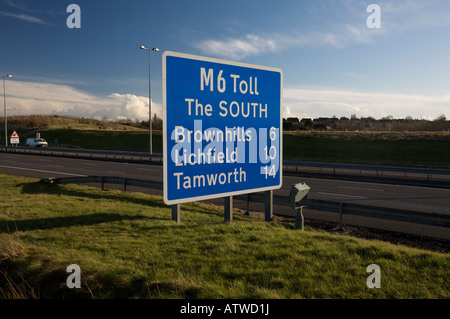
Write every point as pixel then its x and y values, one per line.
pixel 293 119
pixel 322 120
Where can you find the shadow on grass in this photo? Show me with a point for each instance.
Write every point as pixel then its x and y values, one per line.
pixel 40 188
pixel 154 201
pixel 66 221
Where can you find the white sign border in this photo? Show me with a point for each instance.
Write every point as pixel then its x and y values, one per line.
pixel 164 107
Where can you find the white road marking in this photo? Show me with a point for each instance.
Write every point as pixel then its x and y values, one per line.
pixel 364 189
pixel 40 170
pixel 333 194
pixel 115 172
pixel 371 183
pixel 148 169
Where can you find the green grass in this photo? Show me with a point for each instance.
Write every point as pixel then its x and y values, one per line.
pixel 127 247
pixel 133 141
pixel 428 149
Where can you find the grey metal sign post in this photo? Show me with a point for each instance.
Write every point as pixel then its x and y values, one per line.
pixel 268 210
pixel 228 208
pixel 176 213
pixel 299 199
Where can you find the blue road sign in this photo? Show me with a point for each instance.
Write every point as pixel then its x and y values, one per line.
pixel 222 131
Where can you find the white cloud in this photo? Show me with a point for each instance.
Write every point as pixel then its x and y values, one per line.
pixel 237 48
pixel 396 18
pixel 415 14
pixel 29 16
pixel 44 98
pixel 24 17
pixel 256 44
pixel 306 102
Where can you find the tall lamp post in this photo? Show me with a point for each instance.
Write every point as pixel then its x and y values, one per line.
pixel 4 105
pixel 143 47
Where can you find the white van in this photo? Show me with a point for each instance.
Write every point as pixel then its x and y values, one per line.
pixel 36 142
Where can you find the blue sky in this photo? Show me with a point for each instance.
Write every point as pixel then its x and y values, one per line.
pixel 333 64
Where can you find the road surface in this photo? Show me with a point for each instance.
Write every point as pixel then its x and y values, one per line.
pixel 436 200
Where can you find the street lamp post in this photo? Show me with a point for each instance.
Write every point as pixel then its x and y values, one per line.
pixel 143 47
pixel 4 105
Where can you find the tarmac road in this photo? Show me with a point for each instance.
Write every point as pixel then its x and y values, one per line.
pixel 436 200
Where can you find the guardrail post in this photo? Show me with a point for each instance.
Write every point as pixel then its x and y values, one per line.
pixel 124 184
pixel 228 209
pixel 248 205
pixel 268 211
pixel 341 212
pixel 176 213
pixel 103 183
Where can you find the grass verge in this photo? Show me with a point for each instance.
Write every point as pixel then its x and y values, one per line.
pixel 421 149
pixel 127 247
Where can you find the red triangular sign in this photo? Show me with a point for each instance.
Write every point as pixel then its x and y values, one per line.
pixel 14 134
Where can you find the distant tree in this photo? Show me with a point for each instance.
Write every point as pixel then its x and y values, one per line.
pixel 287 126
pixel 308 124
pixel 441 123
pixel 156 122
